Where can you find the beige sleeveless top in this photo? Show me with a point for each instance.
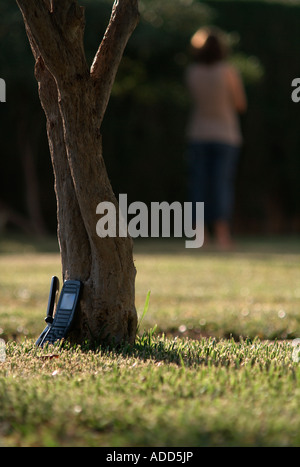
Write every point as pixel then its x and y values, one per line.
pixel 214 117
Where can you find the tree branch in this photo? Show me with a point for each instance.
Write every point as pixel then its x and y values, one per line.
pixel 124 19
pixel 59 33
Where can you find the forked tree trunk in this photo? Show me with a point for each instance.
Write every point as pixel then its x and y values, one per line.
pixel 74 99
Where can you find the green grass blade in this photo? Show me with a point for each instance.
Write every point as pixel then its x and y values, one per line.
pixel 145 310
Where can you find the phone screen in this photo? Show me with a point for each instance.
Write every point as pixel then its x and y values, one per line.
pixel 67 301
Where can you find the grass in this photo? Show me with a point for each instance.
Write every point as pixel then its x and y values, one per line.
pixel 219 370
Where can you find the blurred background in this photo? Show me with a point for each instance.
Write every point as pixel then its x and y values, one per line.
pixel 144 127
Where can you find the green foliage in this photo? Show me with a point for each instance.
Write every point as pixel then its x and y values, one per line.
pixel 250 68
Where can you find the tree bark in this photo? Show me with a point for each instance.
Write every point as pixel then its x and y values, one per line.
pixel 74 100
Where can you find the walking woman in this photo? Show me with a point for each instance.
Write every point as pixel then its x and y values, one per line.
pixel 213 132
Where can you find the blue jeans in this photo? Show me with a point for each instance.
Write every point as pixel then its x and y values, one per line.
pixel 211 174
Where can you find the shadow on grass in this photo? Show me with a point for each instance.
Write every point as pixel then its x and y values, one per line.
pixel 161 349
pixel 148 347
pixel 182 353
pixel 206 352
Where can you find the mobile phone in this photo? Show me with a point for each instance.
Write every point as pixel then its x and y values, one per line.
pixel 59 325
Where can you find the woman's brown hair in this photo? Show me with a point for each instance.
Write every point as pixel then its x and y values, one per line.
pixel 208 46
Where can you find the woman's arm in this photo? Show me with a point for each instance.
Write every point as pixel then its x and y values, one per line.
pixel 237 90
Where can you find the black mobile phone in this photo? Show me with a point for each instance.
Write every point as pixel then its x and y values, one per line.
pixel 59 325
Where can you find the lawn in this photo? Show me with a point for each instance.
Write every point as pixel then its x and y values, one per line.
pixel 213 364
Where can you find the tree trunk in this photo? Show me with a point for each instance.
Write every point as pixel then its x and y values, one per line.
pixel 74 99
